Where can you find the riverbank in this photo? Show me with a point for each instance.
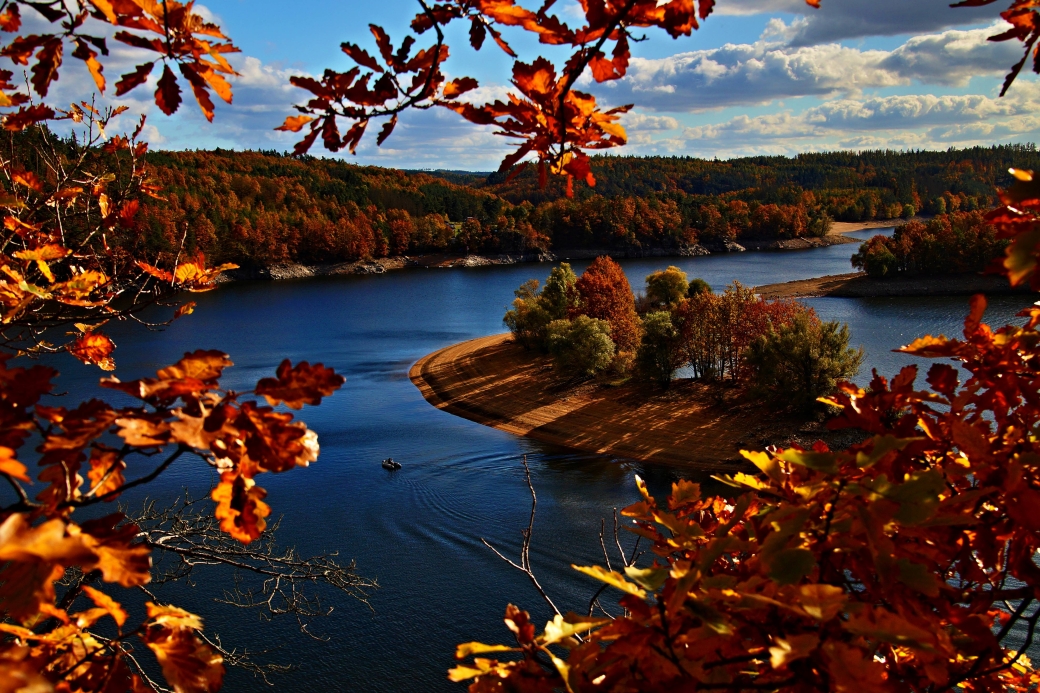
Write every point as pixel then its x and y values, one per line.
pixel 859 285
pixel 495 382
pixel 447 260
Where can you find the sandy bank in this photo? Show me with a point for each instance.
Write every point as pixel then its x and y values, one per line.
pixel 859 285
pixel 495 382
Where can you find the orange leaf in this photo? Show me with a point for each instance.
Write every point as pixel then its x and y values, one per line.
pixel 294 123
pixel 94 348
pixel 12 467
pixel 456 87
pixel 168 92
pixel 240 507
pixel 188 664
pixel 107 603
pixel 106 472
pixel 28 179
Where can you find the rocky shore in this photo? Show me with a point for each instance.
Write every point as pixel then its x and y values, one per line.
pixel 381 265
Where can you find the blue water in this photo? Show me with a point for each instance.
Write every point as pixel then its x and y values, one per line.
pixel 418 530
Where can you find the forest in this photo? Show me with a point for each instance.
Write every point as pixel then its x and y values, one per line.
pixel 264 208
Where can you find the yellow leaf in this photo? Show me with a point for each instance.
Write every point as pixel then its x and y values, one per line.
pixel 611 578
pixel 471 648
pixel 766 462
pixel 560 628
pixel 790 649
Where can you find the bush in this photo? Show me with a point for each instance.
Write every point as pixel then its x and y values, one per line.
pixel 698 286
pixel 875 258
pixel 666 287
pixel 528 318
pixel 658 354
pixel 581 346
pixel 802 360
pixel 532 310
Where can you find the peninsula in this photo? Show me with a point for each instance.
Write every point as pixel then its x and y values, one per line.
pixel 495 382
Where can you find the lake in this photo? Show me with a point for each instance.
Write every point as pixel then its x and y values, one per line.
pixel 418 530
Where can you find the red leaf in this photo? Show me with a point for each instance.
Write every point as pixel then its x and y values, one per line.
pixel 387 129
pixel 457 87
pixel 300 384
pixel 360 56
pixel 134 79
pixel 168 93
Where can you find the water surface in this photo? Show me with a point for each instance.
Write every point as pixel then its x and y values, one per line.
pixel 418 530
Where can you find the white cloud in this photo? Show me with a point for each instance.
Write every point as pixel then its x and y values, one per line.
pixel 767 70
pixel 846 19
pixel 924 120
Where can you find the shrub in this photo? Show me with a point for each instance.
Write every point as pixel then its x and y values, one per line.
pixel 658 354
pixel 666 287
pixel 698 286
pixel 532 310
pixel 875 258
pixel 801 360
pixel 581 346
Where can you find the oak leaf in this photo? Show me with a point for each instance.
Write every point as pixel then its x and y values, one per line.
pixel 300 384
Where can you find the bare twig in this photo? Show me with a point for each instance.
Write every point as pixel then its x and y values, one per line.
pixel 525 548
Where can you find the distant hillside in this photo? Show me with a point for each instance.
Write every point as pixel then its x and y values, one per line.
pixel 261 208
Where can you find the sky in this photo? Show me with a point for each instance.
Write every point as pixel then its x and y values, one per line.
pixel 760 77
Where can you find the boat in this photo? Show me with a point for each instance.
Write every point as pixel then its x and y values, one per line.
pixel 389 463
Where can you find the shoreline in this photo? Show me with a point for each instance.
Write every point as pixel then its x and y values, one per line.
pixel 285 271
pixel 859 285
pixel 495 382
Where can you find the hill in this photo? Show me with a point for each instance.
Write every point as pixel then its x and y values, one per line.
pixel 263 208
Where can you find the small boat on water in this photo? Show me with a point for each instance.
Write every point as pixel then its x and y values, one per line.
pixel 389 463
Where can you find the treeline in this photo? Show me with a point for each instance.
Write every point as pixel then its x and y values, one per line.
pixel 947 244
pixel 262 208
pixel 592 324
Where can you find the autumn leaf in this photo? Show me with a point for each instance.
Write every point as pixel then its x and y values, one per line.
pixel 300 384
pixel 188 664
pixel 240 507
pixel 94 348
pixel 168 92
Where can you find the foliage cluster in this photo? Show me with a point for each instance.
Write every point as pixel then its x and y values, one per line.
pixel 681 323
pixel 801 360
pixel 946 244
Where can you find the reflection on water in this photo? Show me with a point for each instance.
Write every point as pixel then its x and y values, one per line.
pixel 418 530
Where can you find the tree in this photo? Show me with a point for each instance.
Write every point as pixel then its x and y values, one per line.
pixel 581 346
pixel 697 286
pixel 605 294
pixel 796 363
pixel 666 288
pixel 560 296
pixel 658 354
pixel 528 318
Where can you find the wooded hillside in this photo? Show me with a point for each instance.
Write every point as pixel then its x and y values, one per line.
pixel 261 208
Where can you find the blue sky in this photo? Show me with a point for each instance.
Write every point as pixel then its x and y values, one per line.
pixel 759 77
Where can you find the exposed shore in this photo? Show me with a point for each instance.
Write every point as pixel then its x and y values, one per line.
pixel 495 382
pixel 447 260
pixel 859 285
